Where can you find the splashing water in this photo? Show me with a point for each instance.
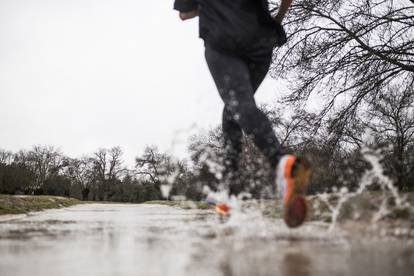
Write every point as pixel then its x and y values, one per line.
pixel 372 176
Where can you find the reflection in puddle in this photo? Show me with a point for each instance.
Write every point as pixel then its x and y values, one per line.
pixel 296 264
pixel 161 241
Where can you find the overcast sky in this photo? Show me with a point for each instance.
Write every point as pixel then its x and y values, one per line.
pixel 85 74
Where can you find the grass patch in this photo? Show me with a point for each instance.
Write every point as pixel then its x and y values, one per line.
pixel 202 205
pixel 163 202
pixel 24 204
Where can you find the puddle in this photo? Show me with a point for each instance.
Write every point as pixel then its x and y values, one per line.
pixel 159 240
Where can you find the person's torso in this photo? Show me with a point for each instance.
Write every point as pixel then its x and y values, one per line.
pixel 234 23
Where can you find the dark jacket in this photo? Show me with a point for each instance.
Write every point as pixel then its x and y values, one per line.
pixel 235 24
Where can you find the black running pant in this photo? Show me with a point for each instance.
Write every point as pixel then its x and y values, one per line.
pixel 237 78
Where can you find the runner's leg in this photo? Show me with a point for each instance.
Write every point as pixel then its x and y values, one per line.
pixel 259 58
pixel 232 77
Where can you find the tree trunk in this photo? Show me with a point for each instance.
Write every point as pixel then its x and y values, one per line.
pixel 85 194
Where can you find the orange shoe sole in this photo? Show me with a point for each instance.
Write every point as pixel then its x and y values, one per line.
pixel 223 209
pixel 297 174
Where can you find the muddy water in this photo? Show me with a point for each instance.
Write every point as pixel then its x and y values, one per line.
pixel 114 239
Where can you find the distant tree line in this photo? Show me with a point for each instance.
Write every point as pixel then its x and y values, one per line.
pixel 100 176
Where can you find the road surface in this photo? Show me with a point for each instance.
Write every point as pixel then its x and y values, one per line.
pixel 123 239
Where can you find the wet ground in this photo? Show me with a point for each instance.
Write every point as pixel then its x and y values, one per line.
pixel 115 239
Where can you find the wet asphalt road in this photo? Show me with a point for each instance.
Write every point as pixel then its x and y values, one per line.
pixel 116 239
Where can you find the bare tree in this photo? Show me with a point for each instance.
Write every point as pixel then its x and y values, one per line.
pixel 107 169
pixel 392 119
pixel 115 163
pixel 43 161
pixel 5 157
pixel 147 164
pixel 155 165
pixel 207 148
pixel 293 130
pixel 81 172
pixel 344 53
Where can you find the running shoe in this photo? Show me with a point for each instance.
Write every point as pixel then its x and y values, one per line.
pixel 221 208
pixel 292 179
